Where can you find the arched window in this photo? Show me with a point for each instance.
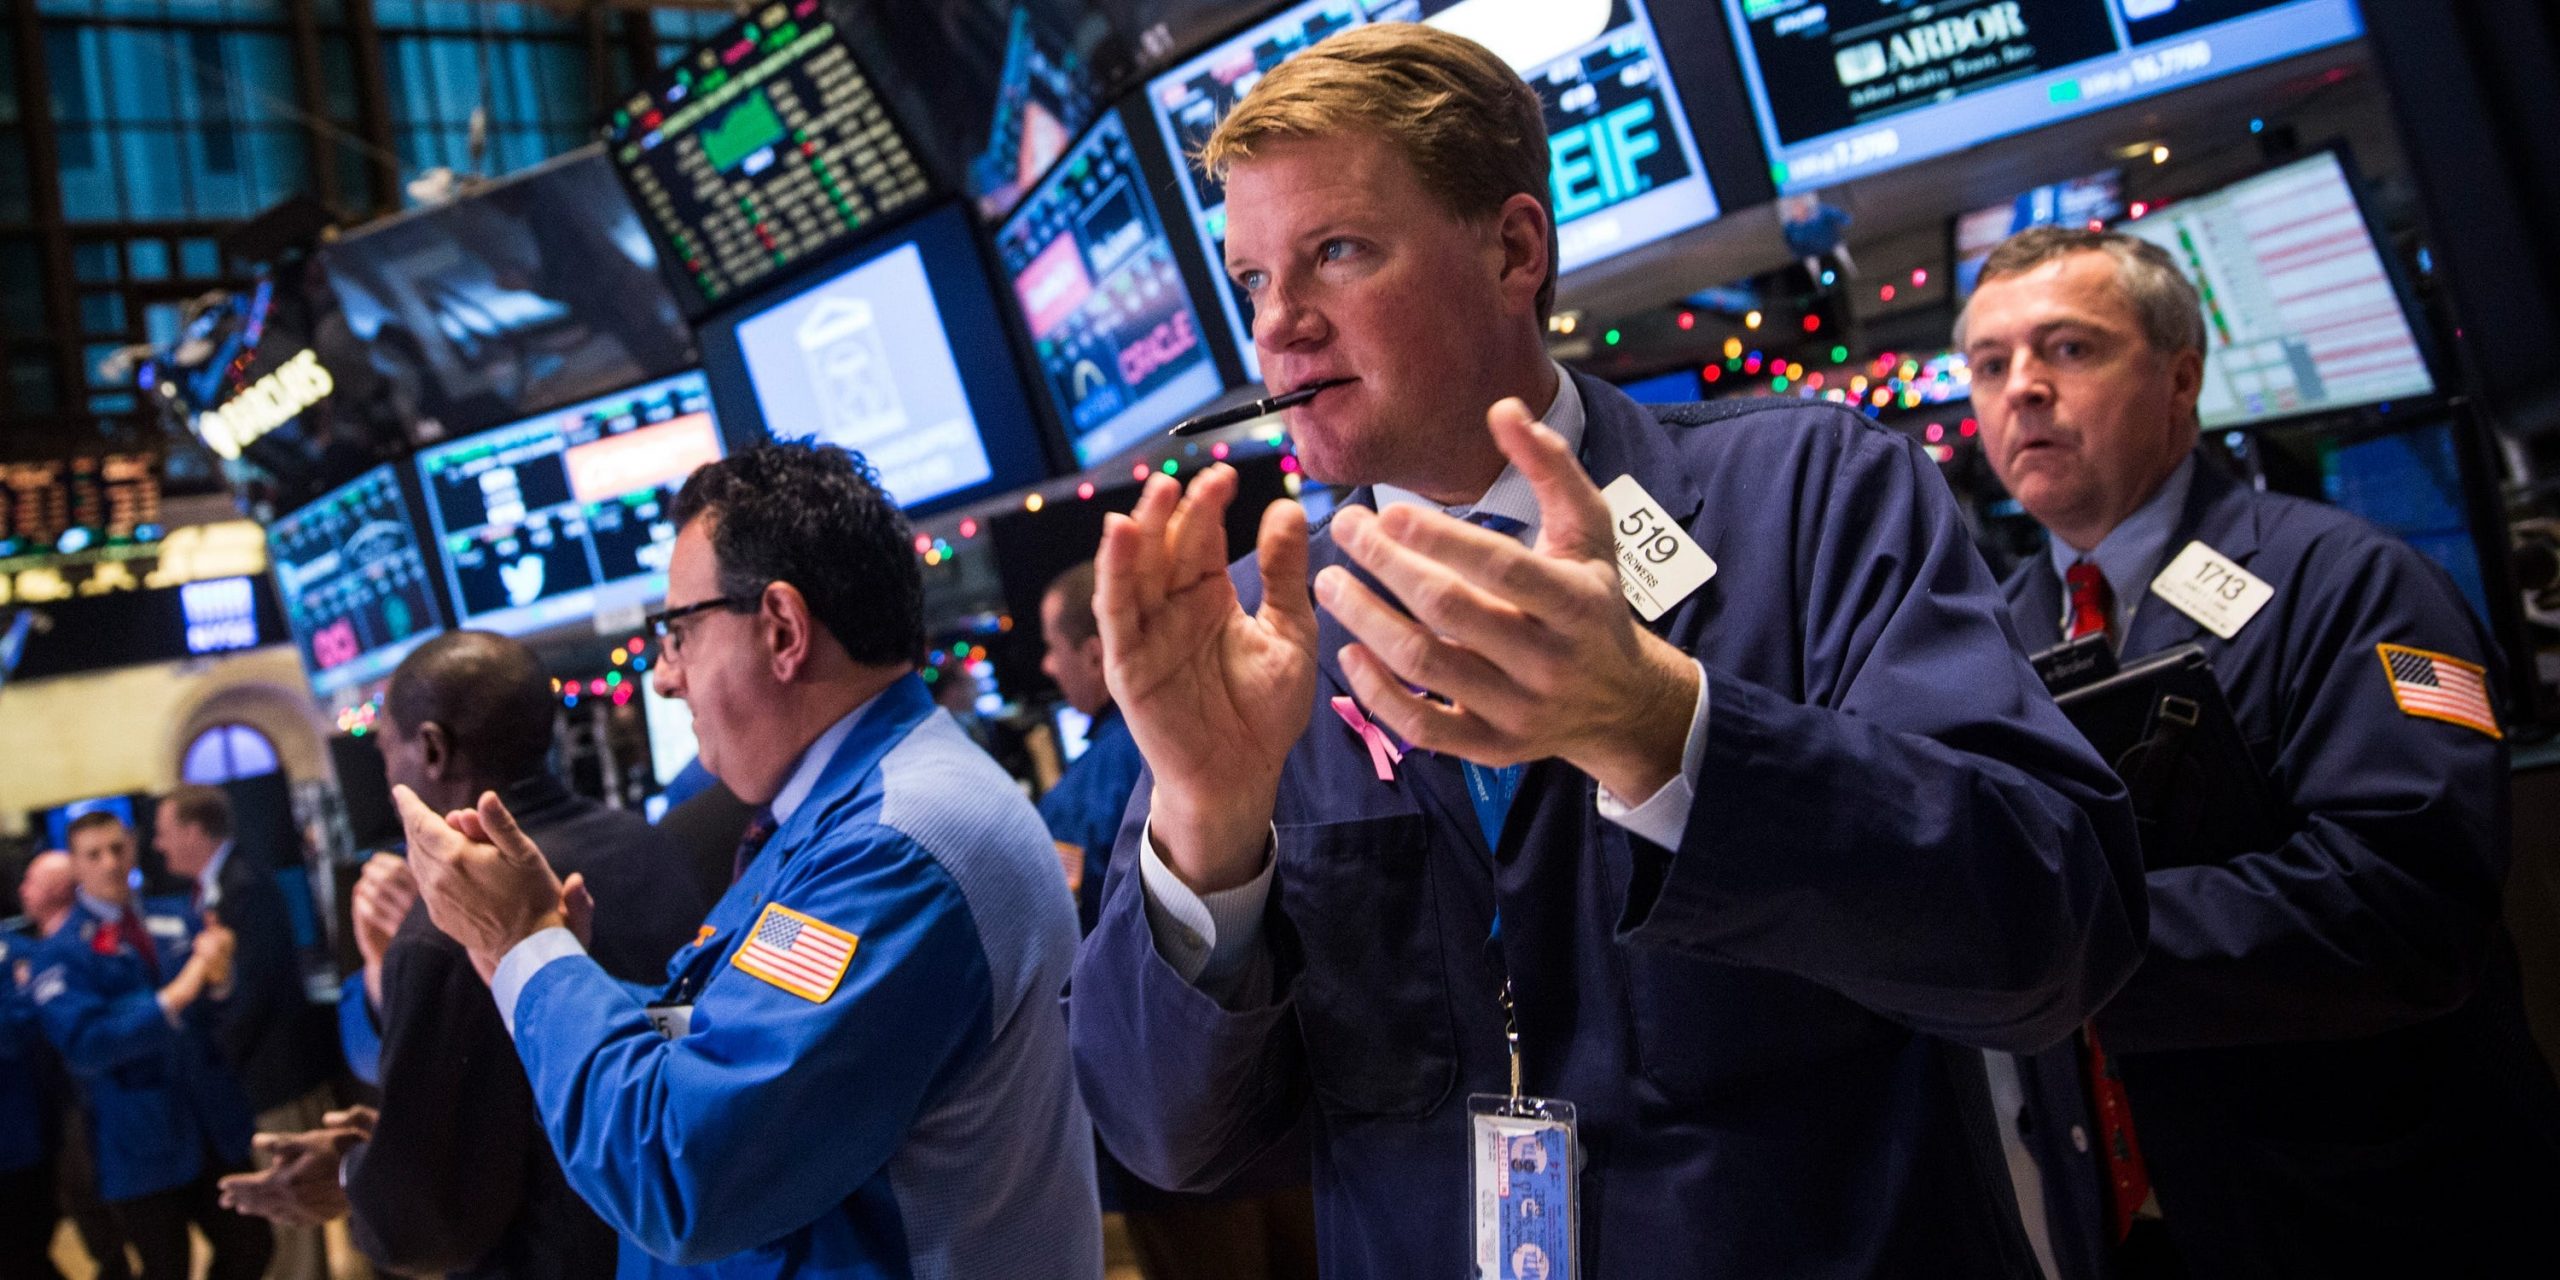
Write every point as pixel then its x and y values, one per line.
pixel 228 753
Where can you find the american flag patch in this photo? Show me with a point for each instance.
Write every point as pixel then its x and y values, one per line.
pixel 2439 687
pixel 803 956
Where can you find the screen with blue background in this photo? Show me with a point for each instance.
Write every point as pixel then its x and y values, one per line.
pixel 2410 483
pixel 1624 167
pixel 356 591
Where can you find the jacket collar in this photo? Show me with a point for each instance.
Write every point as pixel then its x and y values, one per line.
pixel 874 728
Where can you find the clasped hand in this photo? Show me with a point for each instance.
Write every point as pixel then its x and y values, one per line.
pixel 485 883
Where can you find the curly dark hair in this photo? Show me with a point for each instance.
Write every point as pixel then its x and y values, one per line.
pixel 815 516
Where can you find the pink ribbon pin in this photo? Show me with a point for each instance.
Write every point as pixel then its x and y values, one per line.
pixel 1383 755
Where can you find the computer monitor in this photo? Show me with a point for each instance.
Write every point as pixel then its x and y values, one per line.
pixel 537 291
pixel 764 148
pixel 896 350
pixel 1845 88
pixel 567 514
pixel 1624 163
pixel 57 820
pixel 357 591
pixel 1121 349
pixel 2093 201
pixel 2301 314
pixel 672 745
pixel 2410 482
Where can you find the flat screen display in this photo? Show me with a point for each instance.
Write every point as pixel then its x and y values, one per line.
pixel 1624 166
pixel 2093 201
pixel 2300 315
pixel 558 517
pixel 535 292
pixel 357 594
pixel 895 351
pixel 1846 88
pixel 1120 346
pixel 2410 482
pixel 763 148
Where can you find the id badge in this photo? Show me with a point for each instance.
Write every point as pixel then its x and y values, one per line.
pixel 673 1021
pixel 1522 1171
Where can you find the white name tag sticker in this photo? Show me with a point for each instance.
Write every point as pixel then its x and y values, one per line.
pixel 1659 564
pixel 2211 588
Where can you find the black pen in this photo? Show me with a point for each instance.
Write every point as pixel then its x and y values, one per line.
pixel 1250 410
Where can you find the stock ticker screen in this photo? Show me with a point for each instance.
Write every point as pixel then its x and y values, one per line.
pixel 1624 168
pixel 357 594
pixel 2301 316
pixel 765 146
pixel 559 517
pixel 1120 347
pixel 1844 88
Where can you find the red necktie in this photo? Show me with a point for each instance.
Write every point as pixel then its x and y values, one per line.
pixel 2128 1182
pixel 139 938
pixel 2092 604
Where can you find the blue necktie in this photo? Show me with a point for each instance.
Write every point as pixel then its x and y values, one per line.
pixel 1492 788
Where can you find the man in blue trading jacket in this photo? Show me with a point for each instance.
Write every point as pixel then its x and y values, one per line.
pixel 2321 1067
pixel 1083 811
pixel 1774 858
pixel 124 992
pixel 859 1067
pixel 28 1207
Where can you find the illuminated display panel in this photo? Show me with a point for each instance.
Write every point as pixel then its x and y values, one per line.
pixel 764 147
pixel 2300 315
pixel 560 517
pixel 1120 346
pixel 357 594
pixel 1845 88
pixel 2093 201
pixel 1625 168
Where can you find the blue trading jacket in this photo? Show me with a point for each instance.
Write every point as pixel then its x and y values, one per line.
pixel 1899 846
pixel 921 1120
pixel 158 1096
pixel 1084 808
pixel 24 1105
pixel 2324 1050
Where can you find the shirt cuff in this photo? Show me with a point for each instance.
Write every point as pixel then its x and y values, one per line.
pixel 1207 938
pixel 524 960
pixel 1665 815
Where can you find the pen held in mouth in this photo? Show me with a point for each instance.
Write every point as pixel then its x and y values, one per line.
pixel 1253 409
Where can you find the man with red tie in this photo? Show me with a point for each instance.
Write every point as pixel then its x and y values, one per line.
pixel 2321 1067
pixel 126 992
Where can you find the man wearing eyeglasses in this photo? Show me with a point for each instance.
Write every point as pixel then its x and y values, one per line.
pixel 859 1067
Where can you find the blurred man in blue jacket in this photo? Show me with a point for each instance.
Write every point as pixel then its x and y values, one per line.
pixel 2321 1067
pixel 1738 876
pixel 126 993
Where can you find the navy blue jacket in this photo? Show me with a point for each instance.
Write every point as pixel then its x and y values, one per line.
pixel 1898 847
pixel 1084 808
pixel 159 1099
pixel 2324 1050
pixel 26 1106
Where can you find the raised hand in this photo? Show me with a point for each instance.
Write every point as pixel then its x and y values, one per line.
pixel 1214 696
pixel 1532 651
pixel 383 897
pixel 212 952
pixel 484 882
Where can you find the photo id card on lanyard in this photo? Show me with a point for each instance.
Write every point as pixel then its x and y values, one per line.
pixel 1521 1173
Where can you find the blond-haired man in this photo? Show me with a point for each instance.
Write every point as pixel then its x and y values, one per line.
pixel 1736 876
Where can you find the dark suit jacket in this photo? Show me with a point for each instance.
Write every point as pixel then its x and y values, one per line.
pixel 2324 1049
pixel 280 1043
pixel 1898 846
pixel 458 1178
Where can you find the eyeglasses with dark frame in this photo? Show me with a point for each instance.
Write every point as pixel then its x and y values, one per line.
pixel 671 638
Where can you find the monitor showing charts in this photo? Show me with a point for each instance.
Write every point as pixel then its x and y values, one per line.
pixel 1846 88
pixel 1120 346
pixel 763 148
pixel 1624 165
pixel 357 592
pixel 896 351
pixel 2300 315
pixel 560 517
pixel 2093 202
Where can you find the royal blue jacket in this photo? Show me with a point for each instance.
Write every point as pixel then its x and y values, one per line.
pixel 1898 848
pixel 2324 1050
pixel 25 1105
pixel 163 1108
pixel 1084 808
pixel 918 1117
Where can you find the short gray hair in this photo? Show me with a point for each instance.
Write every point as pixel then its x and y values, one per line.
pixel 2172 313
